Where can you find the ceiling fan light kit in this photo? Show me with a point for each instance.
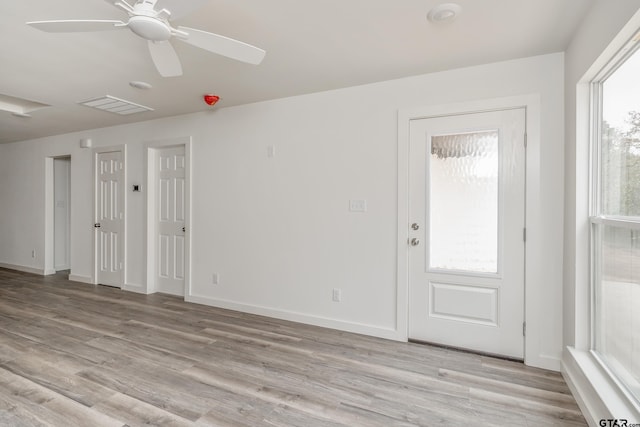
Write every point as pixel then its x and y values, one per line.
pixel 155 27
pixel 150 28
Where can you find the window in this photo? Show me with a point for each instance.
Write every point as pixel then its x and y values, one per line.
pixel 615 220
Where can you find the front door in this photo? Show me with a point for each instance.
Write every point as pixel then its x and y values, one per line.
pixel 109 220
pixel 170 219
pixel 466 231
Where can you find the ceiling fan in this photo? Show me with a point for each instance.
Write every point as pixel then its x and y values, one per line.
pixel 153 24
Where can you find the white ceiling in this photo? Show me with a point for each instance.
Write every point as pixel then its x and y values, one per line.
pixel 311 46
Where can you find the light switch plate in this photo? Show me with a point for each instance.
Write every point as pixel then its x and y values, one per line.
pixel 357 205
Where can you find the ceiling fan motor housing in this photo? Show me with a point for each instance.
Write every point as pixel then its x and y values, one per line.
pixel 150 28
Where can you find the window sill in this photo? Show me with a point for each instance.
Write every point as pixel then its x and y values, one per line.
pixel 598 396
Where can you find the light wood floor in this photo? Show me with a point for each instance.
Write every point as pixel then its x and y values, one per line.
pixel 74 354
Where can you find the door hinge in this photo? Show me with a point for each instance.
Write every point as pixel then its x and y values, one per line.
pixel 524 329
pixel 525 140
pixel 524 234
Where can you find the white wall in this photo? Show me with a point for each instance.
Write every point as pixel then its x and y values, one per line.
pixel 278 230
pixel 601 33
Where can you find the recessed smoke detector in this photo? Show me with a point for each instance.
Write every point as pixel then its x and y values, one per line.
pixel 140 85
pixel 445 12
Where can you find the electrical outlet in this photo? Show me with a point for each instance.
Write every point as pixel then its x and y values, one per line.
pixel 337 295
pixel 215 279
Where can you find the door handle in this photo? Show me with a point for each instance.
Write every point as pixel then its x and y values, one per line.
pixel 415 226
pixel 414 242
pixel 97 225
pixel 184 229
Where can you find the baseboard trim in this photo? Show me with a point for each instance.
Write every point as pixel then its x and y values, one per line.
pixel 23 268
pixel 138 289
pixel 545 362
pixel 341 325
pixel 81 279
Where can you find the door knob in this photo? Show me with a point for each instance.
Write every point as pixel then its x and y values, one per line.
pixel 415 226
pixel 414 242
pixel 184 229
pixel 97 225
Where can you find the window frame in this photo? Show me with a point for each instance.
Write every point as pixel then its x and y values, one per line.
pixel 597 220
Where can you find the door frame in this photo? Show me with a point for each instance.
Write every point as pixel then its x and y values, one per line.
pixel 150 149
pixel 534 298
pixel 122 148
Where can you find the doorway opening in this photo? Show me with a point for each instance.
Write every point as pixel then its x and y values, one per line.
pixel 62 214
pixel 536 311
pixel 57 253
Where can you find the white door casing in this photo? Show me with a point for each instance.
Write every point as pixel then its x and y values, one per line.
pixel 170 216
pixel 467 201
pixel 109 217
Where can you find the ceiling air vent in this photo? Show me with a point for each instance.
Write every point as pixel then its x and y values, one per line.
pixel 115 105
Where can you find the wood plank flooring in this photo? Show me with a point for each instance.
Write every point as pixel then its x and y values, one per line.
pixel 72 354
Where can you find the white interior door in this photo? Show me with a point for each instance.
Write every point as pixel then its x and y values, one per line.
pixel 109 222
pixel 466 231
pixel 170 220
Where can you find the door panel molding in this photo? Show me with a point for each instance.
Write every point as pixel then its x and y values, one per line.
pixel 535 302
pixel 444 302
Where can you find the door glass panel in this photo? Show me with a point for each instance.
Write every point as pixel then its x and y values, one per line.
pixel 463 208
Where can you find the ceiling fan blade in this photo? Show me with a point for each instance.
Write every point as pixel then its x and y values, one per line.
pixel 165 59
pixel 222 45
pixel 113 2
pixel 180 8
pixel 77 25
